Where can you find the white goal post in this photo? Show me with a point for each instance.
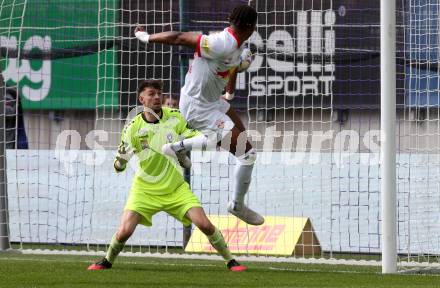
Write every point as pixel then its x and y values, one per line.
pixel 388 145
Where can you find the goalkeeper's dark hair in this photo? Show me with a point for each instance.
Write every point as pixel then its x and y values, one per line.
pixel 150 83
pixel 243 16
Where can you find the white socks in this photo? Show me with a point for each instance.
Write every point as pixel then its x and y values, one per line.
pixel 243 175
pixel 200 142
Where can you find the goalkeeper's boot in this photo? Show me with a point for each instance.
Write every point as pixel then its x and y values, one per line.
pixel 180 155
pixel 234 266
pixel 244 213
pixel 100 265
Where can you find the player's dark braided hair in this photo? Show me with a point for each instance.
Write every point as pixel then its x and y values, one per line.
pixel 243 16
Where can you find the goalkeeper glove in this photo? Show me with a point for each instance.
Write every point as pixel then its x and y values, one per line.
pixel 119 164
pixel 141 35
pixel 246 59
pixel 122 157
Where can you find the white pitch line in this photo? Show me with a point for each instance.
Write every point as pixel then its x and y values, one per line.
pixel 212 265
pixel 213 257
pixel 241 258
pixel 184 264
pixel 121 262
pixel 317 270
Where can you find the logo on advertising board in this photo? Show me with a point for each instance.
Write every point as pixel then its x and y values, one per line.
pixel 277 236
pixel 294 60
pixel 38 79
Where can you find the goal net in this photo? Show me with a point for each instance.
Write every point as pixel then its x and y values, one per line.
pixel 419 167
pixel 310 101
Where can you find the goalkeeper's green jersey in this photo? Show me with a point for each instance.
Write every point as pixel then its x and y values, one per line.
pixel 157 174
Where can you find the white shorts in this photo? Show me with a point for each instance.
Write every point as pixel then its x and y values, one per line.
pixel 208 118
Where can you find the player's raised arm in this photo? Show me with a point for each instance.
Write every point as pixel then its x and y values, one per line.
pixel 188 39
pixel 207 46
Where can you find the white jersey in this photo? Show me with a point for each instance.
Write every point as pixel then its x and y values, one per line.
pixel 217 55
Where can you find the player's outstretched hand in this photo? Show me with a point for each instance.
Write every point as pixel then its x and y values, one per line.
pixel 141 35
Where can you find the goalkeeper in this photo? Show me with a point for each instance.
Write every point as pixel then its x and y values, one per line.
pixel 218 58
pixel 158 184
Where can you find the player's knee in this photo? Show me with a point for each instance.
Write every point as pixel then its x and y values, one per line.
pixel 248 158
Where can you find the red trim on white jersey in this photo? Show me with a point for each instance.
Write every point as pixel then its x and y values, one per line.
pixel 223 74
pixel 234 35
pixel 199 38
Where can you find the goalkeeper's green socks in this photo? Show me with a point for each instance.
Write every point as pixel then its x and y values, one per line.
pixel 218 242
pixel 114 249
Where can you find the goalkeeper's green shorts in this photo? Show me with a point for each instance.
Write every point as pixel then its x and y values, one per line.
pixel 176 204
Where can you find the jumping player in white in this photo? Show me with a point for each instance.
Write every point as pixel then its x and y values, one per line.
pixel 218 58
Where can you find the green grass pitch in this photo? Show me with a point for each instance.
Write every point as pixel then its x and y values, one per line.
pixel 23 270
